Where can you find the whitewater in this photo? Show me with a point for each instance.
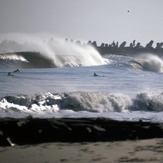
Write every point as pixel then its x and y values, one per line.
pixel 56 79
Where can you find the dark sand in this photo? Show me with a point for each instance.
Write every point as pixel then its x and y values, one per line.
pixel 34 140
pixel 34 130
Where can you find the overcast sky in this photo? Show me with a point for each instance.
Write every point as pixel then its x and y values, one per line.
pixel 100 20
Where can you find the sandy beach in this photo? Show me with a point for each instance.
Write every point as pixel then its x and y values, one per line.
pixel 149 150
pixel 32 140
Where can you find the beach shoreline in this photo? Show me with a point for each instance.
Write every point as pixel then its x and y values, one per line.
pixel 36 140
pixel 149 150
pixel 30 130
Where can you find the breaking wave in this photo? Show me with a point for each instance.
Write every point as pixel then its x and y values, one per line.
pixel 25 60
pixel 35 52
pixel 81 101
pixel 148 62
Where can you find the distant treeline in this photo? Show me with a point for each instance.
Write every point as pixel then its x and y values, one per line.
pixel 122 49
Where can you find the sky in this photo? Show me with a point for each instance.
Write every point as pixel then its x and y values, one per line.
pixel 96 20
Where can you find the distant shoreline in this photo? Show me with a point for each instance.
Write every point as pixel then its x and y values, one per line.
pixel 129 51
pixel 122 49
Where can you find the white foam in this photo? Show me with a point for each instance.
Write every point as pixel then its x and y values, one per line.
pixel 57 50
pixel 11 107
pixel 97 102
pixel 81 103
pixel 13 56
pixel 44 108
pixel 149 62
pixel 148 101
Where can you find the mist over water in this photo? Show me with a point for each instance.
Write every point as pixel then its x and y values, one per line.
pixel 53 49
pixel 148 62
pixel 152 63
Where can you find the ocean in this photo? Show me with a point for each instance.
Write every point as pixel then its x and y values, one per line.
pixel 59 79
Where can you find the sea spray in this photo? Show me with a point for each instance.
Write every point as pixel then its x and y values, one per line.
pixel 148 62
pixel 152 63
pixel 55 49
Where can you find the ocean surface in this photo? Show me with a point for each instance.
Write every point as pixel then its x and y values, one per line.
pixel 58 79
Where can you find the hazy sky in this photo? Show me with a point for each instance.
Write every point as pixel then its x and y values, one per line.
pixel 100 20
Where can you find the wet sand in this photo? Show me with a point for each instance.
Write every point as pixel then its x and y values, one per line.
pixel 34 130
pixel 149 150
pixel 34 140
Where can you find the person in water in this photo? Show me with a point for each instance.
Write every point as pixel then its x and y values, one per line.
pixel 17 70
pixel 95 74
pixel 9 74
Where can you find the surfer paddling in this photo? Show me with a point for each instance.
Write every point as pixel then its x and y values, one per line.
pixel 96 75
pixel 9 74
pixel 17 70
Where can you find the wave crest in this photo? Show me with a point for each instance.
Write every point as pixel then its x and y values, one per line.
pixel 53 52
pixel 148 62
pixel 25 60
pixel 81 101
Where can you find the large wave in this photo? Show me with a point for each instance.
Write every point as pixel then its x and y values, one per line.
pixel 51 52
pixel 80 102
pixel 25 60
pixel 148 62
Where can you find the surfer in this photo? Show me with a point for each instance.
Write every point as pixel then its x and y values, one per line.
pixel 17 70
pixel 9 74
pixel 95 74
